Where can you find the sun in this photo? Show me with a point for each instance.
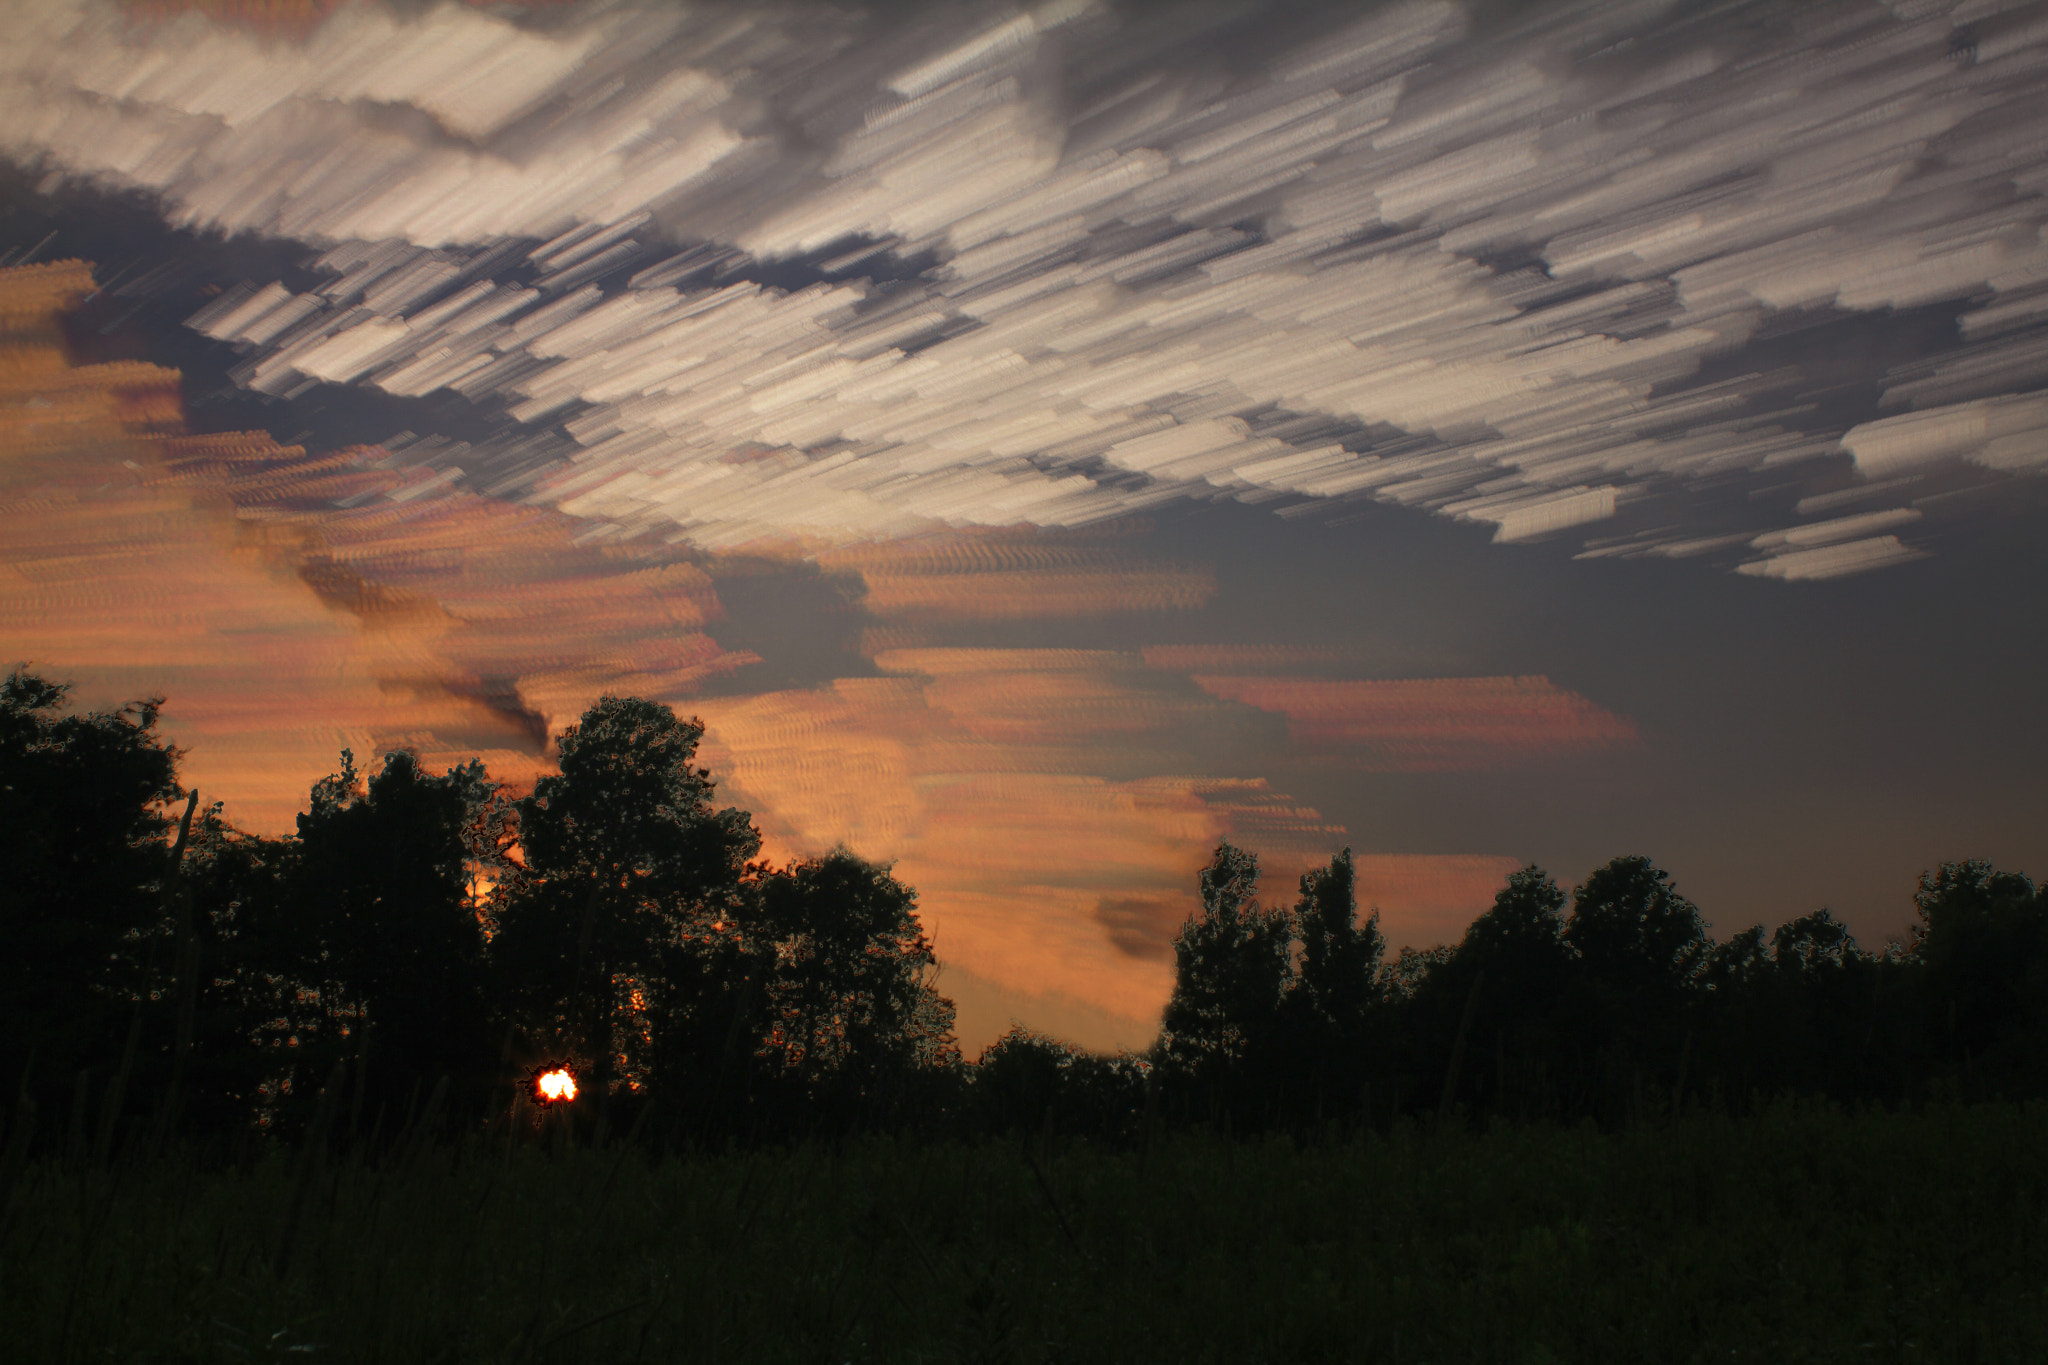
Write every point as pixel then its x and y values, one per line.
pixel 553 1083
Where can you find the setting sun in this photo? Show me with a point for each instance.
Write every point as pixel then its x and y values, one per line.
pixel 555 1085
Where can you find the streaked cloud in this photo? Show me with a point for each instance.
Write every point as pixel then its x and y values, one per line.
pixel 951 578
pixel 784 274
pixel 1428 724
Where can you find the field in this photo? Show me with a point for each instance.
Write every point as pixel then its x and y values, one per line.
pixel 1800 1233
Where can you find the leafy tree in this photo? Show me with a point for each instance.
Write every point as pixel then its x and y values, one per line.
pixel 1328 1005
pixel 1635 933
pixel 1522 933
pixel 852 1012
pixel 383 923
pixel 1982 946
pixel 1409 973
pixel 1022 1077
pixel 83 824
pixel 1731 967
pixel 1639 945
pixel 625 869
pixel 252 1009
pixel 1815 942
pixel 1337 980
pixel 1231 969
pixel 1522 1021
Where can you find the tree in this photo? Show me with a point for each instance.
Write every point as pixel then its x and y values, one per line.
pixel 1815 942
pixel 1639 944
pixel 852 1013
pixel 1521 1010
pixel 1231 968
pixel 1337 980
pixel 1334 990
pixel 625 869
pixel 1982 947
pixel 1028 1082
pixel 83 822
pixel 1635 934
pixel 380 913
pixel 252 1008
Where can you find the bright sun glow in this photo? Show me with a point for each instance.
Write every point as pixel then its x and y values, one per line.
pixel 558 1085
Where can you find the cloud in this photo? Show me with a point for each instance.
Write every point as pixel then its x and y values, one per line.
pixel 784 274
pixel 1051 805
pixel 1429 724
pixel 290 605
pixel 991 576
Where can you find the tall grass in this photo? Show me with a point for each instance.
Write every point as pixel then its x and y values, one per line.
pixel 1799 1233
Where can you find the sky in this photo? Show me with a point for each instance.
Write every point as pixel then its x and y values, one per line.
pixel 1040 442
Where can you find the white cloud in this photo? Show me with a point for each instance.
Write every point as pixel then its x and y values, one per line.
pixel 1134 256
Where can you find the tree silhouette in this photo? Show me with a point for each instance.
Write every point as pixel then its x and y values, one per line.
pixel 253 1009
pixel 1231 969
pixel 1521 1029
pixel 1026 1081
pixel 625 865
pixel 383 924
pixel 1982 946
pixel 1337 980
pixel 1634 931
pixel 852 1014
pixel 1328 1008
pixel 83 820
pixel 1639 944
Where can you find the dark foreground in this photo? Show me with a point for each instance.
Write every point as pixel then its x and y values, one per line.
pixel 1801 1233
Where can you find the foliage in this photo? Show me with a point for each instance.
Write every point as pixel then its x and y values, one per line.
pixel 83 815
pixel 851 1008
pixel 1982 941
pixel 1231 970
pixel 384 928
pixel 625 868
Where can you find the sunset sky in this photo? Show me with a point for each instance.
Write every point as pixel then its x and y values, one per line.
pixel 1042 441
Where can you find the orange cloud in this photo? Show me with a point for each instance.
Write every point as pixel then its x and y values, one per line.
pixel 217 571
pixel 1428 724
pixel 977 774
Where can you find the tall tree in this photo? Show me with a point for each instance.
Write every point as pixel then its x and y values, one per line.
pixel 256 1012
pixel 1521 1023
pixel 1340 957
pixel 624 864
pixel 1334 991
pixel 1639 945
pixel 380 906
pixel 1982 946
pixel 84 805
pixel 1634 932
pixel 1231 968
pixel 852 1012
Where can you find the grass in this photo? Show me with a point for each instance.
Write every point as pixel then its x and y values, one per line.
pixel 1800 1233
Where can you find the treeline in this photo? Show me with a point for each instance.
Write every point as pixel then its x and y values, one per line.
pixel 425 943
pixel 1619 1008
